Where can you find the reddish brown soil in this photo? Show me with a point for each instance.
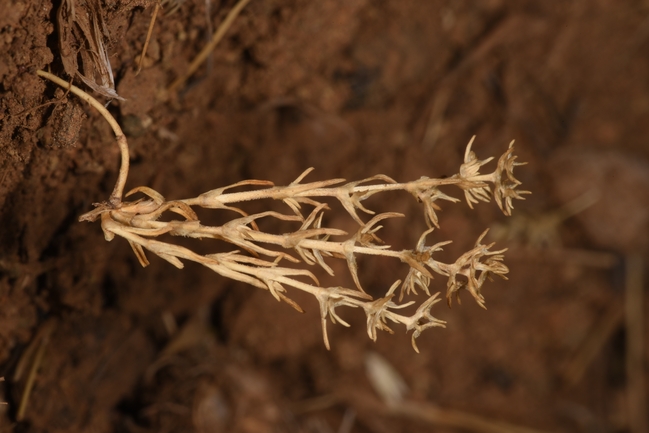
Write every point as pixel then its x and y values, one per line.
pixel 352 88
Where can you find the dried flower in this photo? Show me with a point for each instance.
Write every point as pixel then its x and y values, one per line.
pixel 257 255
pixel 313 244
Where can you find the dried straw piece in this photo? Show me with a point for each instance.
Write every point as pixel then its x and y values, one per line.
pixel 635 339
pixel 82 31
pixel 207 50
pixel 148 38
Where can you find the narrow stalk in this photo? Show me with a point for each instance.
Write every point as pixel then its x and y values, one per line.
pixel 116 196
pixel 205 52
pixel 148 38
pixel 635 338
pixel 311 190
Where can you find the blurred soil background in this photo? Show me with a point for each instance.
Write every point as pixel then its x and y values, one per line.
pixel 92 342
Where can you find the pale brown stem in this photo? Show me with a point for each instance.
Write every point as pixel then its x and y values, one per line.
pixel 328 246
pixel 148 38
pixel 635 337
pixel 205 52
pixel 575 369
pixel 116 195
pixel 300 191
pixel 234 271
pixel 44 336
pixel 30 381
pixel 454 419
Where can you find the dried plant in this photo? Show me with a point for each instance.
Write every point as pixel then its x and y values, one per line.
pixel 82 32
pixel 257 256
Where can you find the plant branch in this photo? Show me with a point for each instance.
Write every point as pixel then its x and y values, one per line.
pixel 116 197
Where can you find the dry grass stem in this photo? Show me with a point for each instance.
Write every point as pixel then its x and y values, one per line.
pixel 32 358
pixel 45 104
pixel 2 379
pixel 454 419
pixel 575 368
pixel 635 338
pixel 148 38
pixel 207 50
pixel 421 412
pixel 257 256
pixel 171 6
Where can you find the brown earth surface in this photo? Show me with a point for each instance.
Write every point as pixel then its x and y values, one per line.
pixel 91 342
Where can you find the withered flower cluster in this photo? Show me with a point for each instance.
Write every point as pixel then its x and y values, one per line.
pixel 256 257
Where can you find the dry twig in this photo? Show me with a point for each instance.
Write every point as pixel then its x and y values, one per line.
pixel 574 369
pixel 433 414
pixel 148 38
pixel 635 338
pixel 2 379
pixel 207 50
pixel 430 414
pixel 33 357
pixel 139 223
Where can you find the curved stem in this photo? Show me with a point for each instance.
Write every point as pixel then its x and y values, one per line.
pixel 116 196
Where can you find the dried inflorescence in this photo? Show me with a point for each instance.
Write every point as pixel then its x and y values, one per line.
pixel 257 256
pixel 138 222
